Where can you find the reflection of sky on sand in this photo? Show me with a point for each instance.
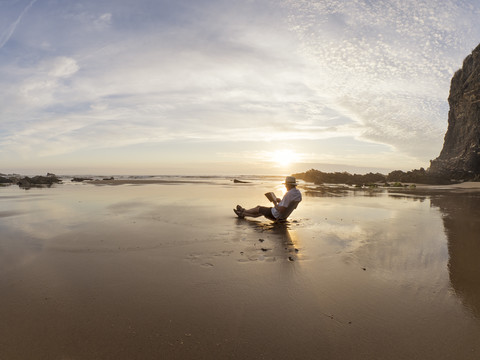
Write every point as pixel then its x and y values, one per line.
pixel 398 243
pixel 395 233
pixel 406 240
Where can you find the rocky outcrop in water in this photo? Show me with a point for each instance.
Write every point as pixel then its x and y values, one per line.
pixel 4 180
pixel 38 181
pixel 81 179
pixel 460 156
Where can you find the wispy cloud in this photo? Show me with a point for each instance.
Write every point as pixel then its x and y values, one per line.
pixel 11 29
pixel 387 64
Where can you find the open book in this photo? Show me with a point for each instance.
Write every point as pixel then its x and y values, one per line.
pixel 272 197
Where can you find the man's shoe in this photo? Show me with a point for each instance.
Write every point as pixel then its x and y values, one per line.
pixel 239 213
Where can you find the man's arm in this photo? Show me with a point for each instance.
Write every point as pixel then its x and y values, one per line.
pixel 280 208
pixel 285 202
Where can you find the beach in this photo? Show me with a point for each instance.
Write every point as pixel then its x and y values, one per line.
pixel 160 268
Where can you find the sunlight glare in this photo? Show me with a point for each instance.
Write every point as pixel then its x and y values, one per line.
pixel 283 157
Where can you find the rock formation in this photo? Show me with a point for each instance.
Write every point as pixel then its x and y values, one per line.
pixel 38 181
pixel 80 179
pixel 4 180
pixel 460 156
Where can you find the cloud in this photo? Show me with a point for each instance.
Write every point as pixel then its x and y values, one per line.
pixel 11 29
pixel 63 67
pixel 386 64
pixel 41 86
pixel 103 21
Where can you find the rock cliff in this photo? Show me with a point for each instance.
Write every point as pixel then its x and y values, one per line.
pixel 460 156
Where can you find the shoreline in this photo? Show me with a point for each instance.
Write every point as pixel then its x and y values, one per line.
pixel 237 180
pixel 468 185
pixel 144 182
pixel 406 188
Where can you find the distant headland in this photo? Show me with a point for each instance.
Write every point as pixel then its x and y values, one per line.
pixel 420 176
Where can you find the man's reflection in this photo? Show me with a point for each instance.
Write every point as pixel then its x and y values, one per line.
pixel 276 240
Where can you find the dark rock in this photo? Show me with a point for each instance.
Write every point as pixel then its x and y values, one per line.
pixel 4 180
pixel 110 178
pixel 80 179
pixel 45 180
pixel 236 181
pixel 460 155
pixel 27 182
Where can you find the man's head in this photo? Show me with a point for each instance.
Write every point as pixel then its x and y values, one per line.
pixel 290 182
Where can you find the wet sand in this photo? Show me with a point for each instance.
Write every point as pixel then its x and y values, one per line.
pixel 165 270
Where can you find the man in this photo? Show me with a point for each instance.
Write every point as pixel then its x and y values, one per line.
pixel 282 209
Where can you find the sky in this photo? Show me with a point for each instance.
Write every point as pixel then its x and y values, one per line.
pixel 227 87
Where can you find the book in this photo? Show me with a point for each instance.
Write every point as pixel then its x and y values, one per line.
pixel 272 197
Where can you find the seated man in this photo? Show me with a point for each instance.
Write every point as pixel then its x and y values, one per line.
pixel 282 209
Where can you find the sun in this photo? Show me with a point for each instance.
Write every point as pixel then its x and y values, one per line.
pixel 283 157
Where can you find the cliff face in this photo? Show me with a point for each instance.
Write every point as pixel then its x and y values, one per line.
pixel 460 156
